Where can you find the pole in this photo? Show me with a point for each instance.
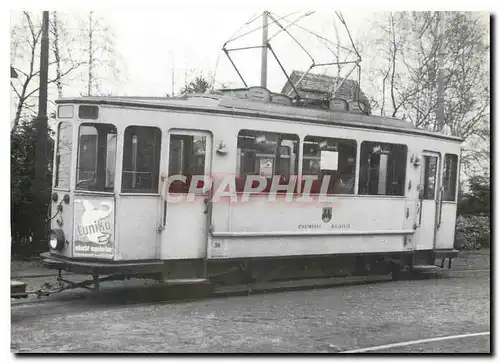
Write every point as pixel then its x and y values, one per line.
pixel 171 55
pixel 44 68
pixel 173 75
pixel 440 78
pixel 39 183
pixel 263 75
pixel 91 56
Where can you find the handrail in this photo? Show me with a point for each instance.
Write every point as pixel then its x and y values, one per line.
pixel 441 192
pixel 311 233
pixel 421 207
pixel 164 217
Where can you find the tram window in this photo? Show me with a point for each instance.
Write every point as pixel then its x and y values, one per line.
pixel 63 155
pixel 88 112
pixel 335 158
pixel 382 169
pixel 186 158
pixel 96 157
pixel 65 111
pixel 428 177
pixel 450 177
pixel 266 154
pixel 141 159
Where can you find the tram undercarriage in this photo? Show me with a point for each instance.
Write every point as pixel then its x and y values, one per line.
pixel 236 271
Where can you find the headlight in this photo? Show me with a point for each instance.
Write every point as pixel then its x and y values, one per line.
pixel 57 239
pixel 53 241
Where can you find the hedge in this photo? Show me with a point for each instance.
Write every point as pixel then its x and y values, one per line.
pixel 472 232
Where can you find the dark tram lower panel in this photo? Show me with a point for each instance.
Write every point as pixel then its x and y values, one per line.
pixel 237 271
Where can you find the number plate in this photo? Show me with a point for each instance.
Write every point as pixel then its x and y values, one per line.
pixel 218 249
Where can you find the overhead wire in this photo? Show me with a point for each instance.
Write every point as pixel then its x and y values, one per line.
pixel 342 20
pixel 320 37
pixel 249 21
pixel 339 14
pixel 215 70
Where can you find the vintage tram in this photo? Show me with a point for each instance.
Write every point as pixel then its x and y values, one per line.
pixel 230 186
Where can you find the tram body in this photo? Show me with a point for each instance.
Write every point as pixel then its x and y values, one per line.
pixel 393 200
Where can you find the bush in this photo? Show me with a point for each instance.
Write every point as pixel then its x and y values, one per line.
pixel 472 232
pixel 26 209
pixel 477 200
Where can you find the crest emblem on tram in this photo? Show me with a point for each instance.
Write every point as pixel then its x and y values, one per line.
pixel 327 214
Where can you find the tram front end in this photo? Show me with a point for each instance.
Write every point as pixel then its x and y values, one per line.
pixel 84 202
pixel 82 219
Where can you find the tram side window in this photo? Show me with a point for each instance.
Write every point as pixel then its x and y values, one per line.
pixel 266 154
pixel 141 159
pixel 63 155
pixel 88 112
pixel 187 159
pixel 333 158
pixel 428 177
pixel 450 172
pixel 96 157
pixel 382 169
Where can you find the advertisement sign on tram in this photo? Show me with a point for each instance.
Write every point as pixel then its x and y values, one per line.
pixel 94 234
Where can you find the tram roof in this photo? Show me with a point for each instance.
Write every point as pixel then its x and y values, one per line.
pixel 223 104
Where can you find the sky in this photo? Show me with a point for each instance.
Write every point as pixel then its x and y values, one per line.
pixel 180 42
pixel 160 48
pixel 153 43
pixel 188 40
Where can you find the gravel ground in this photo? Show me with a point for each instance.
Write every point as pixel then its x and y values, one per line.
pixel 479 259
pixel 460 346
pixel 316 321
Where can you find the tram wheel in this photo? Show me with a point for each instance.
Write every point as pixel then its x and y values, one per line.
pixel 396 272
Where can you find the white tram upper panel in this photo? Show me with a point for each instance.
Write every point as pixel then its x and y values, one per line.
pixel 250 102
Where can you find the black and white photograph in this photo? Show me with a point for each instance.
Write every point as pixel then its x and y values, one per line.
pixel 227 177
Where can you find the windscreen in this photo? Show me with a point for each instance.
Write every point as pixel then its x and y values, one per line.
pixel 63 155
pixel 96 157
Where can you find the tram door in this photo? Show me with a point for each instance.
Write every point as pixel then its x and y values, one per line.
pixel 447 211
pixel 185 214
pixel 428 201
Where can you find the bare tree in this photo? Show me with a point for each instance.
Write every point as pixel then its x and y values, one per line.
pixel 62 43
pixel 410 77
pixel 25 35
pixel 396 75
pixel 100 53
pixel 467 101
pixel 91 51
pixel 67 57
pixel 55 30
pixel 468 85
pixel 336 53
